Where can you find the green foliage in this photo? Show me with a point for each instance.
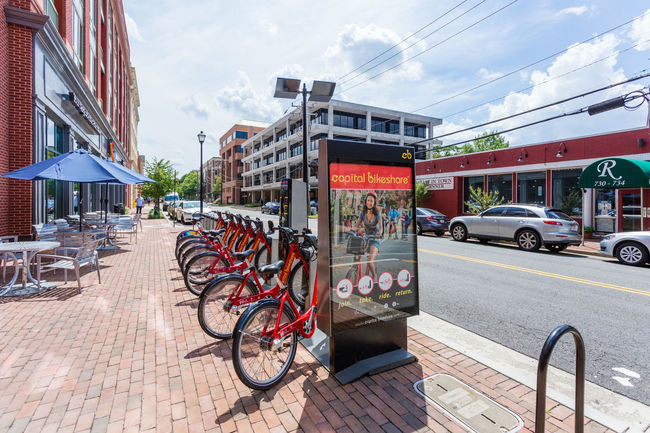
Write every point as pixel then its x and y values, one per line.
pixel 588 229
pixel 421 192
pixel 216 189
pixel 252 205
pixel 481 143
pixel 161 171
pixel 480 201
pixel 571 201
pixel 189 188
pixel 155 214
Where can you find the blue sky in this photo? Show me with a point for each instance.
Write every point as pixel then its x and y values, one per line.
pixel 204 65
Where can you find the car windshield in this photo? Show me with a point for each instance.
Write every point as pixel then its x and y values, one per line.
pixel 558 215
pixel 191 204
pixel 431 211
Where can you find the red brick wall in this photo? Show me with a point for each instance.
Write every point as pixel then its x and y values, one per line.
pixel 15 121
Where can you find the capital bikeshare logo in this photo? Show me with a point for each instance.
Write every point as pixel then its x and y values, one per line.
pixel 605 169
pixel 407 155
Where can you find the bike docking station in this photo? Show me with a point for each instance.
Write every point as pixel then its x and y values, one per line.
pixel 367 284
pixel 293 205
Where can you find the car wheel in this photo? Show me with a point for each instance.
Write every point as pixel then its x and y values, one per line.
pixel 631 253
pixel 528 240
pixel 555 248
pixel 183 219
pixel 439 233
pixel 483 240
pixel 419 229
pixel 459 232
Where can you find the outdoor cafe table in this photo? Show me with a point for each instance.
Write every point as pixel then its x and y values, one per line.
pixel 28 250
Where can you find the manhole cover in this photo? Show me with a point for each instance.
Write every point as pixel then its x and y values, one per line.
pixel 468 407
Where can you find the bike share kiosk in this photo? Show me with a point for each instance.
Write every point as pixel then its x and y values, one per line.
pixel 293 205
pixel 367 284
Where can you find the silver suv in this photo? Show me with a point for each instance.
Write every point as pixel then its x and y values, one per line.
pixel 530 225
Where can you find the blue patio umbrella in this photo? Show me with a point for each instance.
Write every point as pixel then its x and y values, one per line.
pixel 138 179
pixel 75 166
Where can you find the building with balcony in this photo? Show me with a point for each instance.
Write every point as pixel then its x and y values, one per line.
pixel 66 83
pixel 276 151
pixel 232 153
pixel 211 182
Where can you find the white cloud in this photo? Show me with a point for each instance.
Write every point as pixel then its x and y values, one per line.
pixel 545 91
pixel 487 75
pixel 195 108
pixel 132 28
pixel 243 99
pixel 268 27
pixel 357 45
pixel 578 10
pixel 641 32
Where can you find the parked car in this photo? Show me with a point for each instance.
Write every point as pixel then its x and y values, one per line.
pixel 313 207
pixel 186 209
pixel 429 220
pixel 169 198
pixel 630 248
pixel 171 209
pixel 271 207
pixel 529 225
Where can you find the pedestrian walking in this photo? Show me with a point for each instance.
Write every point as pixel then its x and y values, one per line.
pixel 139 202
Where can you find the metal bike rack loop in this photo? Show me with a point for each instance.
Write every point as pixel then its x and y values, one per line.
pixel 542 370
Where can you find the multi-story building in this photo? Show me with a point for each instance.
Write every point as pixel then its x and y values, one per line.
pixel 232 152
pixel 276 152
pixel 134 156
pixel 65 83
pixel 211 170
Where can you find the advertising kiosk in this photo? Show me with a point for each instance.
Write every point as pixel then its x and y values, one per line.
pixel 367 283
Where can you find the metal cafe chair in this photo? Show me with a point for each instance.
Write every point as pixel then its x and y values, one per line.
pixel 85 255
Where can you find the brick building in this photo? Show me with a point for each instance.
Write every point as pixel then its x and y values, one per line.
pixel 232 152
pixel 65 82
pixel 211 169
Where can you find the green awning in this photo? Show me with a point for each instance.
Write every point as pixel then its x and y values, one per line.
pixel 616 173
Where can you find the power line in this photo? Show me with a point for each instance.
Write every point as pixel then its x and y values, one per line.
pixel 624 99
pixel 528 65
pixel 414 43
pixel 434 46
pixel 620 83
pixel 547 81
pixel 403 40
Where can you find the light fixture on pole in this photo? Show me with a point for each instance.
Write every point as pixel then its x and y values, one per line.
pixel 491 158
pixel 321 91
pixel 201 137
pixel 561 151
pixel 522 154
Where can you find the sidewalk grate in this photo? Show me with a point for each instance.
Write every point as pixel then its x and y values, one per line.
pixel 468 407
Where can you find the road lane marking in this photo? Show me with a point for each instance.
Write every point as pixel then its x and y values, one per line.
pixel 541 273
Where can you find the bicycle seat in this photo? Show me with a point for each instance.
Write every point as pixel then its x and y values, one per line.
pixel 271 269
pixel 215 232
pixel 243 255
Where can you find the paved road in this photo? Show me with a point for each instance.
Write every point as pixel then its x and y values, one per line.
pixel 516 299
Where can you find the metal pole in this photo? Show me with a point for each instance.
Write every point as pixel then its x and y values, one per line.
pixel 174 218
pixel 305 174
pixel 201 180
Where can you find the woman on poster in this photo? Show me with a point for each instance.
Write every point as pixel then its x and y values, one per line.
pixel 370 217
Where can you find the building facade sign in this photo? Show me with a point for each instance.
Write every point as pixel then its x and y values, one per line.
pixel 441 183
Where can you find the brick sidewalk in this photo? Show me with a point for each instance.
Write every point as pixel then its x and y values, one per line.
pixel 129 355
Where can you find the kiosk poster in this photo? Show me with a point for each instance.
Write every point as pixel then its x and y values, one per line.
pixel 373 270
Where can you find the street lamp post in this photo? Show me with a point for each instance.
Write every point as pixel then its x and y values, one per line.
pixel 201 137
pixel 321 91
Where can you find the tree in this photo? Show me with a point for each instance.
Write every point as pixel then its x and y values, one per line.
pixel 482 142
pixel 189 185
pixel 162 172
pixel 421 192
pixel 480 201
pixel 216 189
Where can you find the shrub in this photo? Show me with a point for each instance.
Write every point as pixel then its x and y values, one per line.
pixel 155 213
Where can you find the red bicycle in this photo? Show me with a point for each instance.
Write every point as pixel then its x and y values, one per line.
pixel 226 297
pixel 266 338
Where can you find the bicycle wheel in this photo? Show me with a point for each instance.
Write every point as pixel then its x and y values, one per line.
pixel 183 241
pixel 262 257
pixel 187 245
pixel 197 273
pixel 193 252
pixel 214 318
pixel 257 363
pixel 298 288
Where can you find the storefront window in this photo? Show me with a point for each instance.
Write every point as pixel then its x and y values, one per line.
pixel 474 182
pixel 566 194
pixel 531 187
pixel 501 183
pixel 631 211
pixel 605 200
pixel 54 189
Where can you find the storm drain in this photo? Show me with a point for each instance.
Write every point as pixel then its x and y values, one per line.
pixel 468 407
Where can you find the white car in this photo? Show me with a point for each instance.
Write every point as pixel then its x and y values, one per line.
pixel 630 248
pixel 185 210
